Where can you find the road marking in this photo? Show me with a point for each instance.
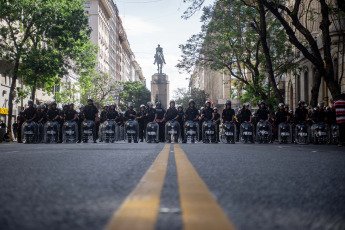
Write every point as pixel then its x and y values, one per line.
pixel 200 211
pixel 141 207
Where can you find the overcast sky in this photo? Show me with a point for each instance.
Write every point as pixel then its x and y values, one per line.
pixel 152 22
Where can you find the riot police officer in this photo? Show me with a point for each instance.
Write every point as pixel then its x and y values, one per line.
pixel 91 113
pixel 263 114
pixel 180 119
pixel 112 114
pixel 216 120
pixel 70 113
pixel 81 118
pixel 141 118
pixel 103 118
pixel 228 113
pixel 282 115
pixel 191 114
pixel 30 113
pixel 171 113
pixel 160 119
pixel 301 113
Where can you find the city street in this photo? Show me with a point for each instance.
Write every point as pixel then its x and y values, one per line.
pixel 81 186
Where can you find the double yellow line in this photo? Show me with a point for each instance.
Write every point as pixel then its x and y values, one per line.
pixel 199 209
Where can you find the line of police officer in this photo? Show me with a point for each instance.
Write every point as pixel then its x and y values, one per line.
pixel 42 114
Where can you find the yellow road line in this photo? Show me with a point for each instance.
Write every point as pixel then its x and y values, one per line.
pixel 200 211
pixel 140 209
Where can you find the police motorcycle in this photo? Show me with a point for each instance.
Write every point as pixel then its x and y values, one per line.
pixel 172 131
pixel 120 128
pixel 132 128
pixel 51 132
pixel 152 132
pixel 109 131
pixel 29 132
pixel 334 134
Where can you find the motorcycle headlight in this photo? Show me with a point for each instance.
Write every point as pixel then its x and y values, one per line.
pixel 149 125
pixel 187 124
pixel 127 123
pixel 66 124
pixel 205 124
pixel 84 123
pixel 169 124
pixel 26 124
pixel 106 123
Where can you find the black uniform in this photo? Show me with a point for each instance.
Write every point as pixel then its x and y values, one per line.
pixel 171 114
pixel 150 115
pixel 207 112
pixel 90 112
pixel 41 115
pixel 228 114
pixel 180 120
pixel 281 116
pixel 141 122
pixel 160 115
pixel 29 113
pixel 245 115
pixel 262 114
pixel 112 114
pixel 130 112
pixel 319 116
pixel 300 115
pixel 69 114
pixel 191 114
pixel 52 113
pixel 103 116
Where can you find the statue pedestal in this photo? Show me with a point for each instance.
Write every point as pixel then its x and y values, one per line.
pixel 160 89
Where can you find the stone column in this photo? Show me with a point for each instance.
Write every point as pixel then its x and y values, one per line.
pixel 160 89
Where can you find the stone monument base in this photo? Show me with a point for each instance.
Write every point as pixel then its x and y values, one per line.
pixel 160 89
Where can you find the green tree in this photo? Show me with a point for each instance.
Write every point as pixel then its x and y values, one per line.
pixel 49 31
pixel 182 97
pixel 133 91
pixel 238 39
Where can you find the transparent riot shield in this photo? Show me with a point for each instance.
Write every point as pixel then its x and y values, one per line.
pixel 191 131
pixel 88 131
pixel 320 133
pixel 51 132
pixel 172 131
pixel 70 132
pixel 209 132
pixel 228 133
pixel 334 134
pixel 302 134
pixel 246 133
pixel 109 129
pixel 263 132
pixel 132 131
pixel 29 132
pixel 152 132
pixel 284 133
pixel 40 128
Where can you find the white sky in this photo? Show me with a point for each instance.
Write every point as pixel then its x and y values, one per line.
pixel 152 22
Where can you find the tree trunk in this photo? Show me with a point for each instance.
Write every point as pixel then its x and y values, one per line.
pixel 269 67
pixel 315 89
pixel 33 93
pixel 12 95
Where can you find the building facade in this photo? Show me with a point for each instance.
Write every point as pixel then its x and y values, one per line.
pixel 299 81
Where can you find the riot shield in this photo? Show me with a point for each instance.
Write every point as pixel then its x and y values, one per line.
pixel 152 132
pixel 172 131
pixel 29 132
pixel 70 132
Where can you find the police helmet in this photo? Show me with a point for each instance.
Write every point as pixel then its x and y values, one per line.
pixel 207 102
pixel 53 103
pixel 261 102
pixel 81 106
pixel 172 101
pixel 286 106
pixel 150 103
pixel 158 104
pixel 281 104
pixel 180 106
pixel 215 108
pixel 246 104
pixel 301 102
pixel 315 108
pixel 141 106
pixel 30 102
pixel 191 101
pixel 90 99
pixel 228 102
pixel 321 104
pixel 130 104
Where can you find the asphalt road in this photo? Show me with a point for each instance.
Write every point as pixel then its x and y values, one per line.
pixel 80 186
